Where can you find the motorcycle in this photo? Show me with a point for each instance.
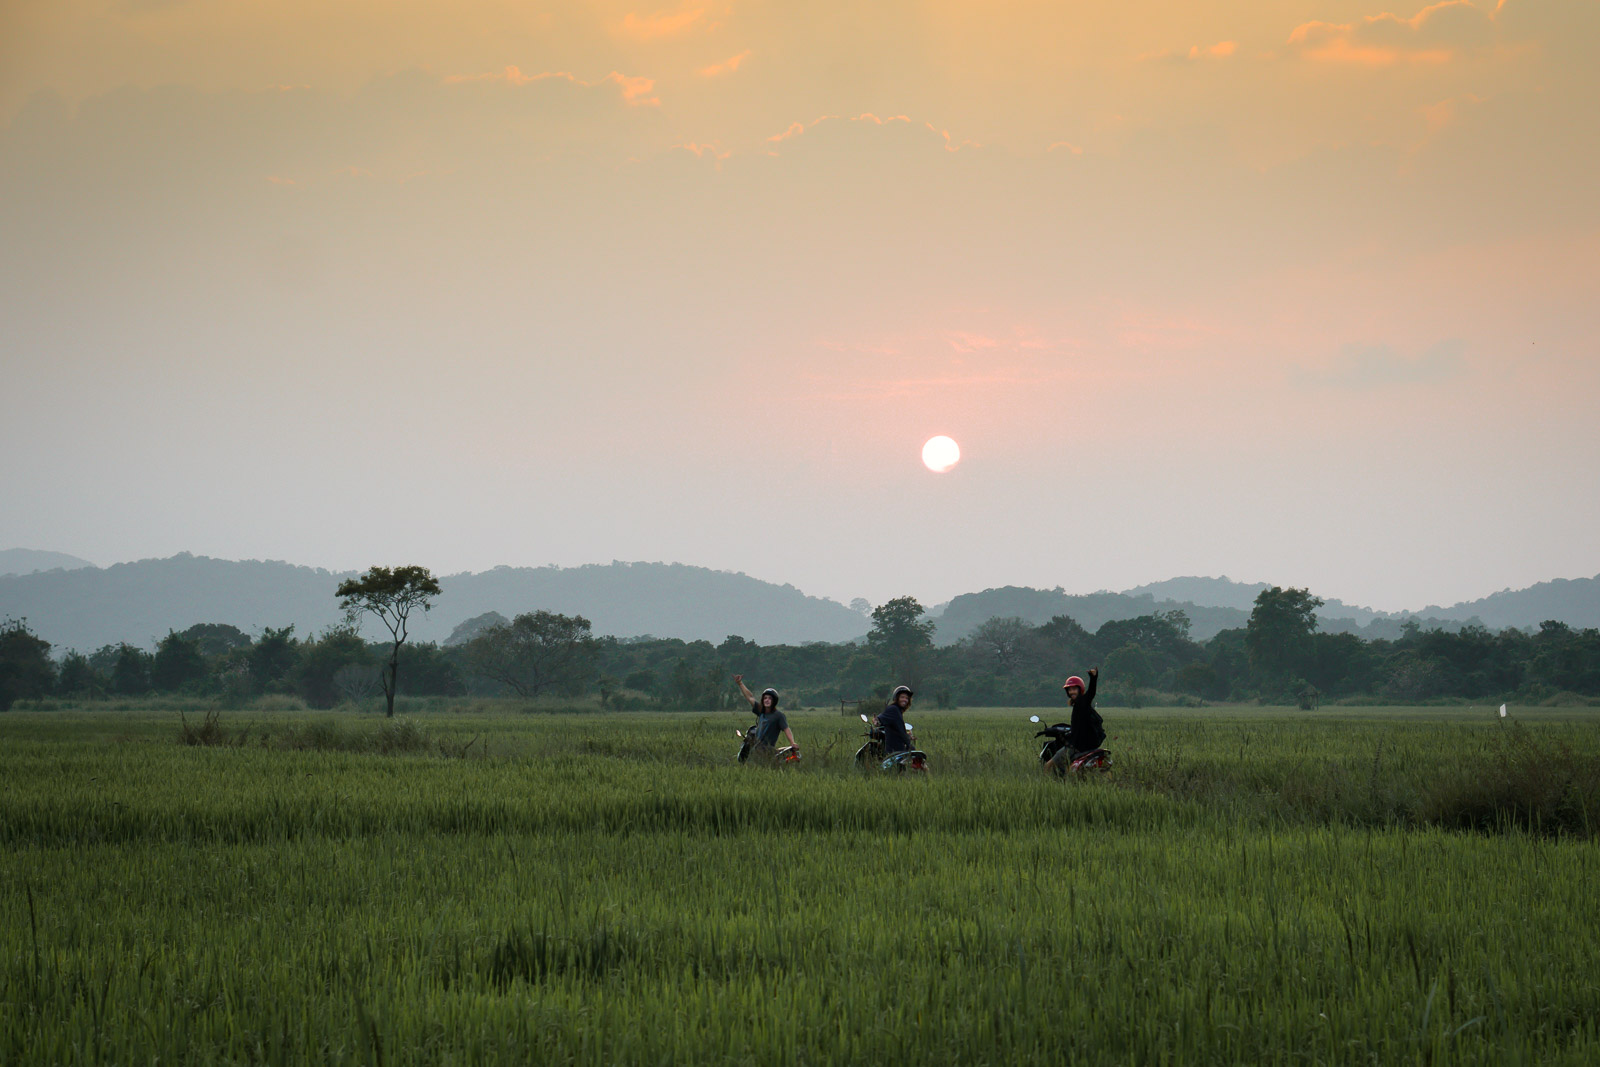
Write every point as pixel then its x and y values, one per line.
pixel 780 757
pixel 1056 753
pixel 872 752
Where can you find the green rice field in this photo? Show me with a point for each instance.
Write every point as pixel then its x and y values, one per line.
pixel 477 885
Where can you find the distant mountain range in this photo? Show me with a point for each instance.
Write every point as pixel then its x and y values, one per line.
pixel 967 612
pixel 1217 604
pixel 1225 593
pixel 1574 601
pixel 73 604
pixel 29 560
pixel 139 602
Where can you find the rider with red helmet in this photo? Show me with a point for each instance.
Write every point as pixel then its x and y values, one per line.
pixel 1088 729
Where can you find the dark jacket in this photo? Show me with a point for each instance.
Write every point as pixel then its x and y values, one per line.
pixel 1088 729
pixel 895 738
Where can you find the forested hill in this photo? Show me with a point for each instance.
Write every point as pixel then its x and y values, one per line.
pixel 967 612
pixel 1217 604
pixel 28 560
pixel 87 607
pixel 664 599
pixel 1225 593
pixel 139 602
pixel 1574 601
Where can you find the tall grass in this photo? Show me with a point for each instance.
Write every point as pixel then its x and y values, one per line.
pixel 625 893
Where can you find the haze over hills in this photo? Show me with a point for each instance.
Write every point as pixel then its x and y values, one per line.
pixel 87 606
pixel 1212 604
pixel 1225 593
pixel 967 612
pixel 1216 604
pixel 30 560
pixel 1574 601
pixel 139 602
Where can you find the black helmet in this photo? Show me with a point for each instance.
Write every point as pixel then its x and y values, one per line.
pixel 906 689
pixel 773 693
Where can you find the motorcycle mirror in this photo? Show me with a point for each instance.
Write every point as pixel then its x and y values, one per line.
pixel 739 735
pixel 909 728
pixel 864 719
pixel 1033 718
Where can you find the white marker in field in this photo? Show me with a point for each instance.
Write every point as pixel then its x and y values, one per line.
pixel 1502 711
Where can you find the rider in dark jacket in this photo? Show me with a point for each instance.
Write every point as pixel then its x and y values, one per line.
pixel 893 720
pixel 1088 729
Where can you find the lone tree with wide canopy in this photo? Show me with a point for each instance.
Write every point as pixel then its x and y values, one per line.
pixel 901 634
pixel 391 594
pixel 536 652
pixel 1279 633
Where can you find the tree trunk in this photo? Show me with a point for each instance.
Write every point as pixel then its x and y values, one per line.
pixel 392 684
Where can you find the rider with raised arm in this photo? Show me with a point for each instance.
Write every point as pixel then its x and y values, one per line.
pixel 1088 729
pixel 770 722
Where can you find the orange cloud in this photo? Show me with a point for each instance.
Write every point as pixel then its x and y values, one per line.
pixel 701 151
pixel 1220 50
pixel 636 91
pixel 1076 150
pixel 513 76
pixel 727 66
pixel 949 145
pixel 661 24
pixel 1342 51
pixel 1436 34
pixel 1445 112
pixel 797 128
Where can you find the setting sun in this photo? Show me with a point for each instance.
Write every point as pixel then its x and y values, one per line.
pixel 940 454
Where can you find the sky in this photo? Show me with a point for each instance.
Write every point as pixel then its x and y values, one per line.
pixel 1298 291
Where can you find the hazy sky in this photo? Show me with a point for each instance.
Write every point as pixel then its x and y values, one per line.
pixel 1304 291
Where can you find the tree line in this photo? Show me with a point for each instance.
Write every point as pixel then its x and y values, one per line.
pixel 1278 657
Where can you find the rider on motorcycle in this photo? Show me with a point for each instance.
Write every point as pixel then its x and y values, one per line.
pixel 770 722
pixel 1088 729
pixel 893 720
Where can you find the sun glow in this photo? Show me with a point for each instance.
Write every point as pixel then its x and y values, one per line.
pixel 940 454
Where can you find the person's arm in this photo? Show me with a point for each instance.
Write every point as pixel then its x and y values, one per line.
pixel 790 735
pixel 744 689
pixel 1094 678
